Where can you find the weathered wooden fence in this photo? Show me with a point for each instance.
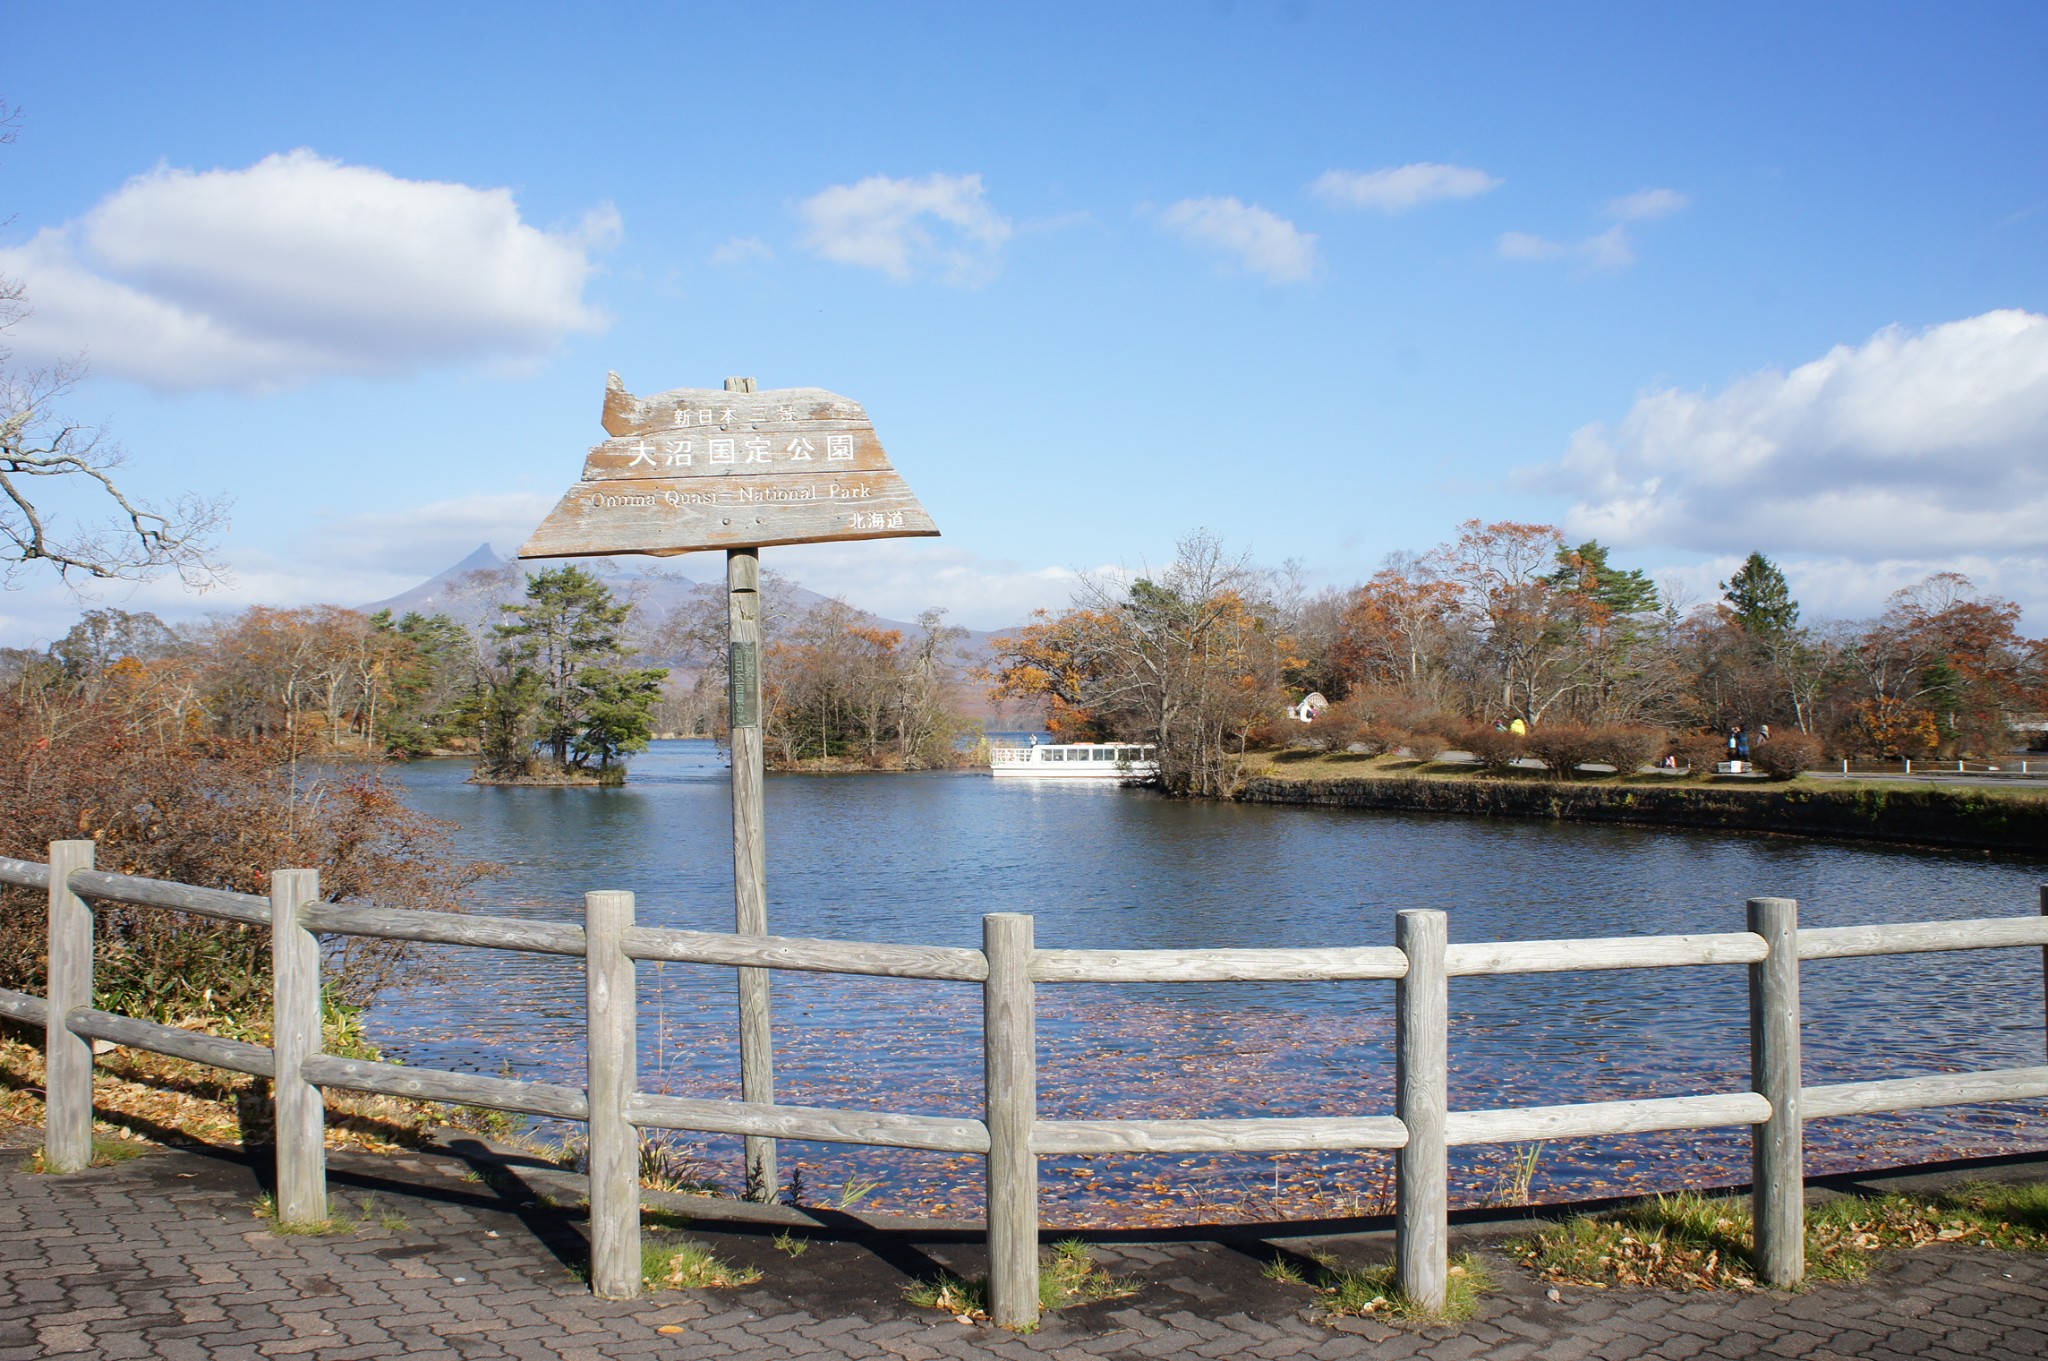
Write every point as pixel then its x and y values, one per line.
pixel 1010 1136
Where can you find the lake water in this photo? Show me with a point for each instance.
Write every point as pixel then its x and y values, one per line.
pixel 919 858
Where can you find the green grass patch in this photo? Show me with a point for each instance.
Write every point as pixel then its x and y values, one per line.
pixel 1067 1274
pixel 1371 1292
pixel 1694 1242
pixel 105 1153
pixel 669 1261
pixel 341 1219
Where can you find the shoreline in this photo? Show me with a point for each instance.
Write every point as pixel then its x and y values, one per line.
pixel 1971 818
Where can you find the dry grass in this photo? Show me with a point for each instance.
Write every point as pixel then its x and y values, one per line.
pixel 156 1099
pixel 1693 1242
pixel 341 1219
pixel 1067 1275
pixel 1370 1292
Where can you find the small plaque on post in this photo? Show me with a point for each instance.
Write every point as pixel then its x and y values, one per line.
pixel 697 468
pixel 746 686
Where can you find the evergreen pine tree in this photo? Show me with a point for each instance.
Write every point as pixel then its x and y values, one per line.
pixel 1760 599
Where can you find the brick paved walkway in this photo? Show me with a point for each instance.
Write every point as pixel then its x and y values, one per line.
pixel 162 1257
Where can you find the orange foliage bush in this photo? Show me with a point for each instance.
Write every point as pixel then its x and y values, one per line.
pixel 1786 754
pixel 213 813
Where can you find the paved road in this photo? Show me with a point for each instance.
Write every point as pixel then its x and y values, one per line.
pixel 163 1257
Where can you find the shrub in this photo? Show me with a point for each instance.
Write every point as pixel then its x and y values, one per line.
pixel 1699 750
pixel 1627 749
pixel 1396 708
pixel 1426 745
pixel 1334 729
pixel 1492 748
pixel 1786 754
pixel 217 814
pixel 1377 739
pixel 1564 747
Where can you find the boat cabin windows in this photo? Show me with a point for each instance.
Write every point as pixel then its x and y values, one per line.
pixel 1088 751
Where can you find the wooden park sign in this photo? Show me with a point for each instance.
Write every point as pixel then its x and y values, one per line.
pixel 696 468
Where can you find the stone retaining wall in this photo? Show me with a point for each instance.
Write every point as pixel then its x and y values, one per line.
pixel 1972 819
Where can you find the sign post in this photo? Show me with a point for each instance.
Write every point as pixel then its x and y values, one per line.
pixel 737 469
pixel 750 847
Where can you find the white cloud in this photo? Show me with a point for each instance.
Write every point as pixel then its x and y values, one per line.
pixel 1846 588
pixel 1645 205
pixel 1261 242
pixel 937 226
pixel 1399 188
pixel 1611 249
pixel 1915 445
pixel 742 250
pixel 1524 246
pixel 897 578
pixel 301 267
pixel 1608 250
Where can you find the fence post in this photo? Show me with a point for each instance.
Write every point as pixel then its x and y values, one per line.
pixel 1010 1072
pixel 2044 958
pixel 610 1064
pixel 1778 1169
pixel 67 1058
pixel 294 1035
pixel 1422 1081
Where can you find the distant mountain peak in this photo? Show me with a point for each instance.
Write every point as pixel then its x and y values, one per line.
pixel 484 559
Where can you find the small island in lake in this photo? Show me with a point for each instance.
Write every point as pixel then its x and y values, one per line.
pixel 560 708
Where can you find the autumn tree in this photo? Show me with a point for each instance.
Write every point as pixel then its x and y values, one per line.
pixel 1397 630
pixel 1190 662
pixel 1943 650
pixel 838 684
pixel 1503 572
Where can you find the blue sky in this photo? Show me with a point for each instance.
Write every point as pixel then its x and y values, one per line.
pixel 1327 279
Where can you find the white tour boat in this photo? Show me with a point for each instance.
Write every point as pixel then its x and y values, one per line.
pixel 1123 762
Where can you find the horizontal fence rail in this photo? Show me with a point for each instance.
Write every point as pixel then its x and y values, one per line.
pixel 445 928
pixel 1526 1124
pixel 806 956
pixel 219 904
pixel 1611 952
pixel 1267 1134
pixel 1848 942
pixel 1919 1093
pixel 24 873
pixel 432 1084
pixel 824 1124
pixel 1009 968
pixel 1215 966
